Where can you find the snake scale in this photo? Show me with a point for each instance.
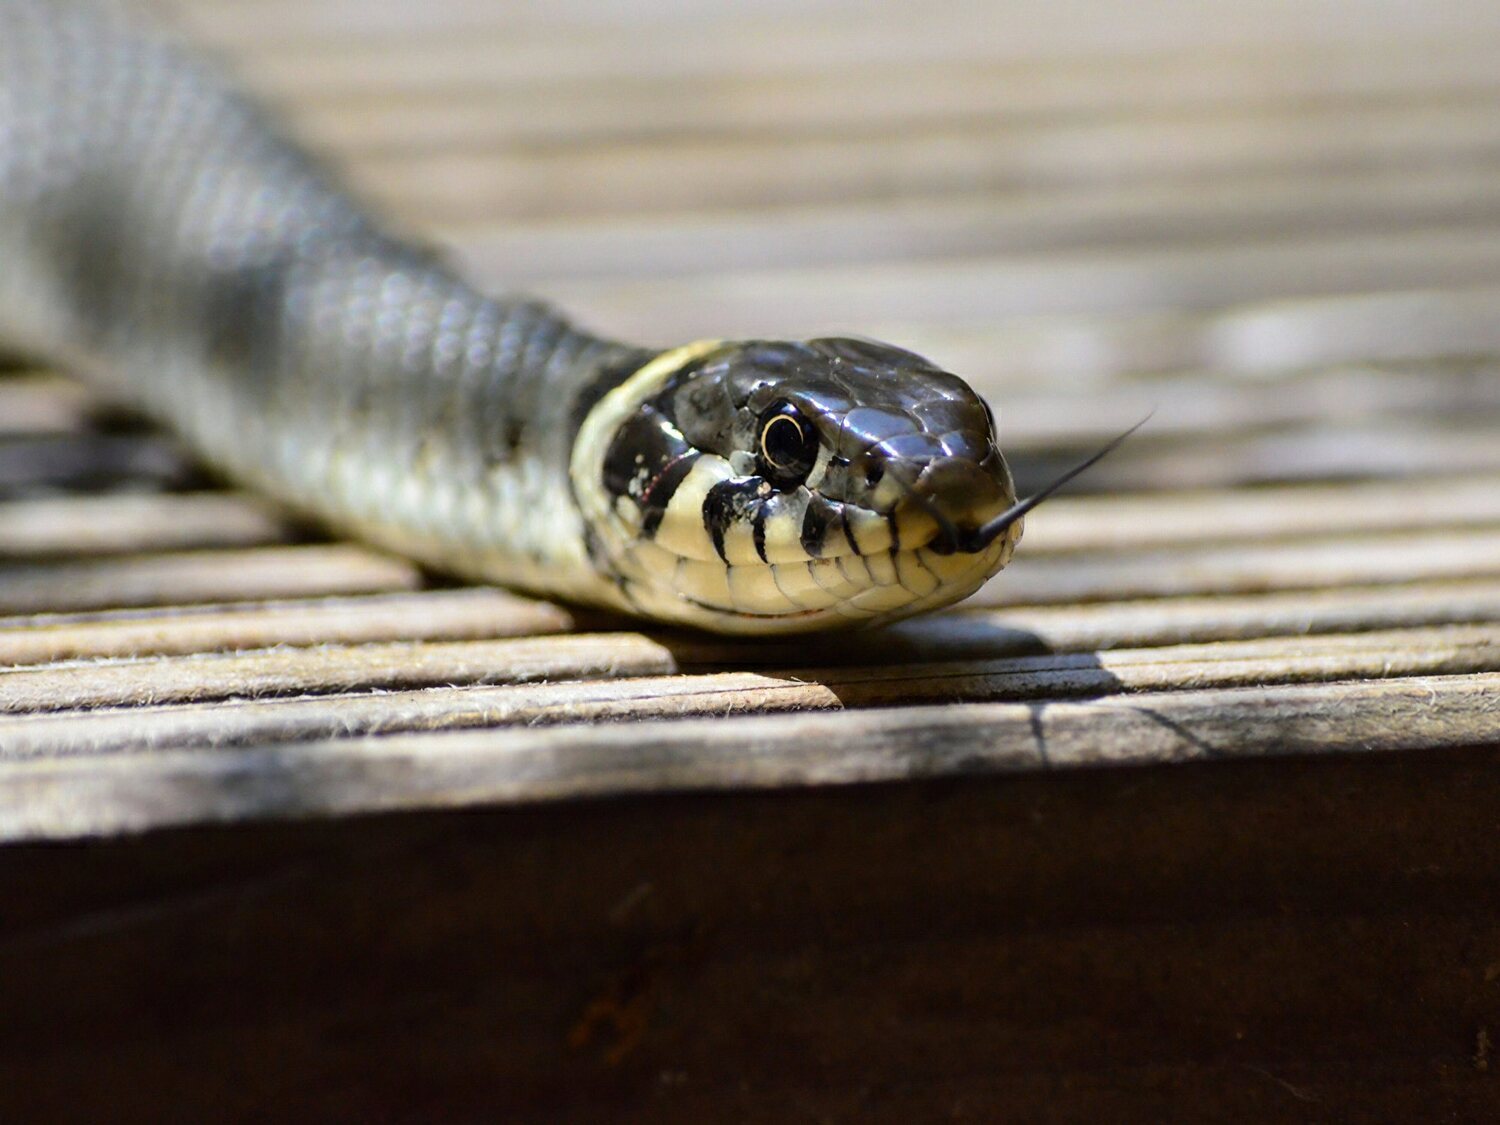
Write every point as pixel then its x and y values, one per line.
pixel 162 236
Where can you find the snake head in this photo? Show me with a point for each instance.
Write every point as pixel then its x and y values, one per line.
pixel 771 486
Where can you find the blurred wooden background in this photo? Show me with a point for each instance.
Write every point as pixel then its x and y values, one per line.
pixel 1276 224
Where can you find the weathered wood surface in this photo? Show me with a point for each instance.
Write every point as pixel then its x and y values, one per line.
pixel 1284 245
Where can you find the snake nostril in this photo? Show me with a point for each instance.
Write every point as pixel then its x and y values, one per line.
pixel 874 474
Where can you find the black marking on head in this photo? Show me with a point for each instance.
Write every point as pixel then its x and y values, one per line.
pixel 646 461
pixel 820 516
pixel 848 531
pixel 758 531
pixel 640 451
pixel 659 492
pixel 726 503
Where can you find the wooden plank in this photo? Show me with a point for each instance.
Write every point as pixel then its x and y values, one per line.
pixel 1122 522
pixel 1390 449
pixel 1182 149
pixel 40 404
pixel 1090 216
pixel 326 669
pixel 1184 619
pixel 371 52
pixel 105 525
pixel 587 694
pixel 482 108
pixel 968 634
pixel 200 576
pixel 1390 557
pixel 814 300
pixel 1265 337
pixel 178 630
pixel 36 463
pixel 73 797
pixel 1205 405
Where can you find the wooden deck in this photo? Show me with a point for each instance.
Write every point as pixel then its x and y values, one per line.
pixel 1277 225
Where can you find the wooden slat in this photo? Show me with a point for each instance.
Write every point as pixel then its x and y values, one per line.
pixel 1261 338
pixel 1334 452
pixel 1182 619
pixel 969 634
pixel 1265 204
pixel 591 697
pixel 103 525
pixel 199 576
pixel 40 404
pixel 64 797
pixel 480 107
pixel 367 50
pixel 179 630
pixel 326 669
pixel 45 462
pixel 1393 556
pixel 1122 522
pixel 1201 404
pixel 714 172
pixel 1108 282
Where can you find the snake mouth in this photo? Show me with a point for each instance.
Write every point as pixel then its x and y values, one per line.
pixel 847 591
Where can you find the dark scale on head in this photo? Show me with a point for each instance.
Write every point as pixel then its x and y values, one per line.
pixel 727 503
pixel 821 515
pixel 646 461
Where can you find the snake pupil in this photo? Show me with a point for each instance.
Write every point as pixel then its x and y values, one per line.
pixel 788 445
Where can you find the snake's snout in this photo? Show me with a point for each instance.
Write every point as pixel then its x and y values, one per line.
pixel 960 495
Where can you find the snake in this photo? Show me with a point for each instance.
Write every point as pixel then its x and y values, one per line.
pixel 164 237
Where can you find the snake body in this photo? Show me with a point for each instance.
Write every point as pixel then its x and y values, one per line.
pixel 161 235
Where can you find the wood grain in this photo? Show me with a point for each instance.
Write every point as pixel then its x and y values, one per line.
pixel 198 576
pixel 385 703
pixel 339 619
pixel 108 525
pixel 67 796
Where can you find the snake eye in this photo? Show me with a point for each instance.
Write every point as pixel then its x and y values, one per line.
pixel 788 445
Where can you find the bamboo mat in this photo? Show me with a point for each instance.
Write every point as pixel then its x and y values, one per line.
pixel 1278 227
